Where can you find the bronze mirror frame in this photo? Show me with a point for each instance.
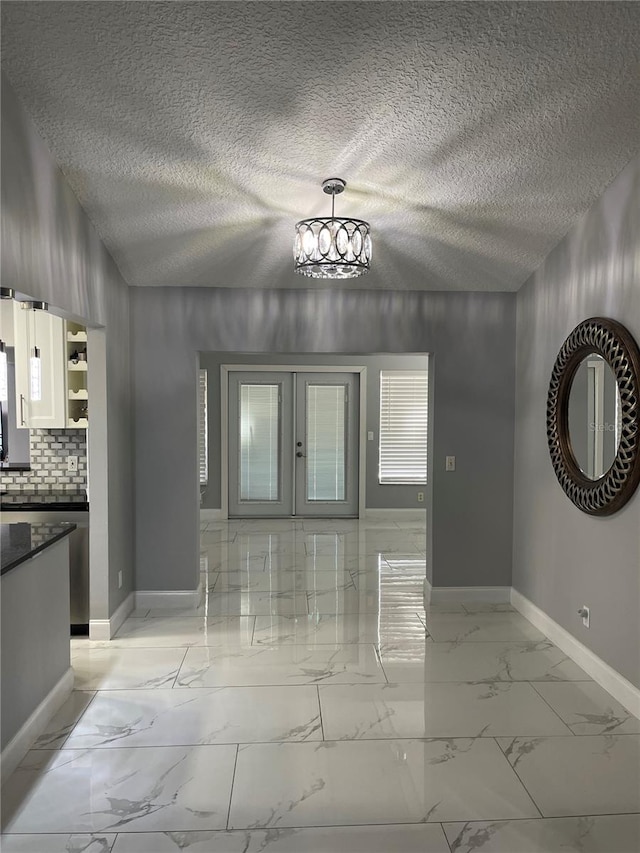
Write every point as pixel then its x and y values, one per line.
pixel 616 345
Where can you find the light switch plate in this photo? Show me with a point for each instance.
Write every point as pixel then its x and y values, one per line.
pixel 450 463
pixel 370 435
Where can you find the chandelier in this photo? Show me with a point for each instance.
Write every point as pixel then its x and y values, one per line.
pixel 332 247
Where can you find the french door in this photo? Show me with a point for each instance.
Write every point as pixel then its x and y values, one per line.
pixel 293 444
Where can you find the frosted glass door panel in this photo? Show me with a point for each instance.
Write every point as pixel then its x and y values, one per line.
pixel 326 442
pixel 259 442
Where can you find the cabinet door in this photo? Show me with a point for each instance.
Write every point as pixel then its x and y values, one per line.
pixel 46 332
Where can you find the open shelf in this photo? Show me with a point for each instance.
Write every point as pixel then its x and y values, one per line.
pixel 77 385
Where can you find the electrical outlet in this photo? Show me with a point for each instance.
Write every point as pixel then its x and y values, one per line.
pixel 72 463
pixel 370 435
pixel 120 579
pixel 450 463
pixel 420 497
pixel 585 615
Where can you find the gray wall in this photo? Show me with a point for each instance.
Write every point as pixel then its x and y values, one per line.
pixel 377 496
pixel 471 336
pixel 563 558
pixel 51 251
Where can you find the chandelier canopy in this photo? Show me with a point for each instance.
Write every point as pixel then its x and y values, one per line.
pixel 332 247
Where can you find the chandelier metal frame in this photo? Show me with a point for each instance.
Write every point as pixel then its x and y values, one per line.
pixel 332 247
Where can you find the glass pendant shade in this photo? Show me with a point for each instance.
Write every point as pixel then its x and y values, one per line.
pixel 332 247
pixel 36 375
pixel 4 382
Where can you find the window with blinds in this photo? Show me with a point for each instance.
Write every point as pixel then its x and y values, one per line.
pixel 203 450
pixel 403 427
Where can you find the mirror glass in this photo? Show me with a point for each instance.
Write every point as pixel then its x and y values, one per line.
pixel 594 416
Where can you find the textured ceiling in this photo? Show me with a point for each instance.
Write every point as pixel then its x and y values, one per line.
pixel 471 135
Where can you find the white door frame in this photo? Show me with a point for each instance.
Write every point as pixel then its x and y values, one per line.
pixel 225 369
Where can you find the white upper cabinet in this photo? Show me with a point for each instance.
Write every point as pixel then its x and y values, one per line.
pixel 40 356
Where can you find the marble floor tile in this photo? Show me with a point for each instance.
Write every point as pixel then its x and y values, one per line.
pixel 60 843
pixel 486 662
pixel 444 607
pixel 61 724
pixel 339 562
pixel 588 709
pixel 332 525
pixel 253 526
pixel 369 782
pixel 398 648
pixel 286 665
pixel 333 839
pixel 318 629
pixel 191 717
pixel 343 601
pixel 257 603
pixel 114 668
pixel 488 607
pixel 591 774
pixel 605 834
pixel 218 564
pixel 297 580
pixel 182 631
pixel 215 537
pixel 481 627
pixel 267 543
pixel 435 711
pixel 108 790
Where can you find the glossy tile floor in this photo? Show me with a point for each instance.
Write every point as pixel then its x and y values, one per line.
pixel 310 705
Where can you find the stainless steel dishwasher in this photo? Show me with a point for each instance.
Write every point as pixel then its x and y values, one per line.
pixel 78 557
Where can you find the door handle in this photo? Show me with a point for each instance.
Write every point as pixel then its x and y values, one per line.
pixel 22 421
pixel 300 454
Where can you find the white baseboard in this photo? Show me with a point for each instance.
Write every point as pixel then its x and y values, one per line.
pixel 105 629
pixel 212 515
pixel 617 685
pixel 395 514
pixel 495 594
pixel 168 598
pixel 22 741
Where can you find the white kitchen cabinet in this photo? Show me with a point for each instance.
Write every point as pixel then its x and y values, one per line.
pixel 46 332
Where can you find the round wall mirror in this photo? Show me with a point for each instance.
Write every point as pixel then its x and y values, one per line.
pixel 593 416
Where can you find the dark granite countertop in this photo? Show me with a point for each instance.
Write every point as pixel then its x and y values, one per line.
pixel 20 542
pixel 44 500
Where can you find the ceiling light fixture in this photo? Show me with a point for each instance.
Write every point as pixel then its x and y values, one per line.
pixel 35 362
pixel 4 383
pixel 332 247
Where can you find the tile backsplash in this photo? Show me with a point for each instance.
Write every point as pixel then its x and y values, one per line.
pixel 49 449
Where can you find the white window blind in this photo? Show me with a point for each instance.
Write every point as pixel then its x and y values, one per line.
pixel 259 442
pixel 203 452
pixel 326 442
pixel 403 426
